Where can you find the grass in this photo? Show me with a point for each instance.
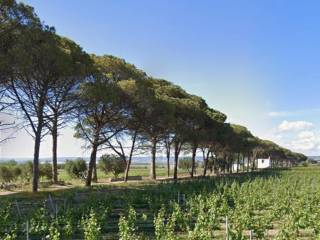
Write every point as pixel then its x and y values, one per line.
pixel 67 182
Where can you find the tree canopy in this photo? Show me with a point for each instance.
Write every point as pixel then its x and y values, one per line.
pixel 50 80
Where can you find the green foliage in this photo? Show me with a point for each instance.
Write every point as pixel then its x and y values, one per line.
pixel 165 225
pixel 91 227
pixel 6 174
pixel 11 236
pixel 159 225
pixel 26 171
pixel 54 233
pixel 186 163
pixel 286 202
pixel 113 164
pixel 127 226
pixel 76 168
pixel 40 222
pixel 46 170
pixel 10 171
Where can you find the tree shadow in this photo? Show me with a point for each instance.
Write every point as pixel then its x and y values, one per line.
pixel 162 188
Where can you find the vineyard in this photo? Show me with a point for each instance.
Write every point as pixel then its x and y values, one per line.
pixel 278 204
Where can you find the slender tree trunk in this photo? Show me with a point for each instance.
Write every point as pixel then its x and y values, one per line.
pixel 54 134
pixel 253 162
pixel 93 158
pixel 168 161
pixel 37 142
pixel 153 160
pixel 229 164
pixel 35 176
pixel 194 153
pixel 177 148
pixel 205 163
pixel 126 174
pixel 238 162
pixel 248 162
pixel 95 173
pixel 225 164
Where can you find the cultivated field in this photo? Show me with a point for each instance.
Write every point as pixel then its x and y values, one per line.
pixel 277 204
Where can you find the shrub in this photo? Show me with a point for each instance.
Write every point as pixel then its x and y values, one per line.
pixel 16 172
pixel 46 170
pixel 9 171
pixel 111 163
pixel 186 163
pixel 9 163
pixel 6 174
pixel 26 171
pixel 76 168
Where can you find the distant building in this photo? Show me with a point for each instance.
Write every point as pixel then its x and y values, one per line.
pixel 263 163
pixel 235 167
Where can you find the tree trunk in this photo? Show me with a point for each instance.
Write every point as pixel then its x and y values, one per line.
pixel 177 148
pixel 225 164
pixel 168 161
pixel 54 134
pixel 93 157
pixel 253 162
pixel 37 142
pixel 238 162
pixel 153 160
pixel 229 164
pixel 126 174
pixel 35 176
pixel 205 162
pixel 95 173
pixel 194 153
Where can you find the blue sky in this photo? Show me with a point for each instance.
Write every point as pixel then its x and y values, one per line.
pixel 256 61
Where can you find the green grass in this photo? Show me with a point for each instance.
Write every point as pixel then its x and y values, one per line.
pixel 70 182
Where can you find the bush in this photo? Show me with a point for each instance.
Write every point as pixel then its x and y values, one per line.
pixel 26 171
pixel 46 170
pixel 9 163
pixel 9 171
pixel 111 163
pixel 76 168
pixel 186 164
pixel 16 172
pixel 6 174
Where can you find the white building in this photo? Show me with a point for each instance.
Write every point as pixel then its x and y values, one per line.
pixel 263 163
pixel 235 167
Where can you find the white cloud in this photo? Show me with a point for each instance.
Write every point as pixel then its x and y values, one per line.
pixel 306 134
pixel 286 126
pixel 301 112
pixel 306 141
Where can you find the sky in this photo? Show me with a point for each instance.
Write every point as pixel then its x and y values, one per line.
pixel 256 61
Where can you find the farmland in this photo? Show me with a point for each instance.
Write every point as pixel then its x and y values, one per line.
pixel 274 204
